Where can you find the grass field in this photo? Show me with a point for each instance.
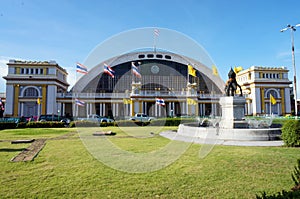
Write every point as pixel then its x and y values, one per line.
pixel 65 169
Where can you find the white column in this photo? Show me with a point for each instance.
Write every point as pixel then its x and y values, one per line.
pixel 91 108
pixel 159 111
pixel 145 108
pixel 9 100
pixel 21 108
pixel 74 109
pixel 256 101
pixel 87 109
pixel 287 100
pixel 51 99
pixel 173 108
pixel 103 109
pixel 100 111
pixel 63 109
pixel 200 110
pixel 117 110
pixel 77 110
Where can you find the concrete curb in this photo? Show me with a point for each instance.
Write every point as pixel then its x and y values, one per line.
pixel 172 135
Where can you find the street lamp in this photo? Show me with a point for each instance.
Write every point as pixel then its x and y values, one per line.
pixel 293 29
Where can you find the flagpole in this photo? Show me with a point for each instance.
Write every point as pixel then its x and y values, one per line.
pixel 156 33
pixel 154 43
pixel 187 84
pixel 270 106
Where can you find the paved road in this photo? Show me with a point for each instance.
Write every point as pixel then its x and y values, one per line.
pixel 174 136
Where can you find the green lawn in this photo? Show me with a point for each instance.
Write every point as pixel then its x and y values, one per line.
pixel 65 169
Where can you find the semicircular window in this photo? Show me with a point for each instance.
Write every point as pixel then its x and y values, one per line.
pixel 30 92
pixel 273 93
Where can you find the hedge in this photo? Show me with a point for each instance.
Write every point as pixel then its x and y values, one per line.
pixel 8 125
pixel 291 133
pixel 11 125
pixel 51 124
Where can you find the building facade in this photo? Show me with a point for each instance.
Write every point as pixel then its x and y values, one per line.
pixel 163 75
pixel 38 88
pixel 32 88
pixel 260 84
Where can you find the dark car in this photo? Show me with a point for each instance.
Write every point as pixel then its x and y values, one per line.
pixel 44 118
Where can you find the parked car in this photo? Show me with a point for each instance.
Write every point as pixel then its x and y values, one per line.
pixel 141 117
pixel 97 118
pixel 44 118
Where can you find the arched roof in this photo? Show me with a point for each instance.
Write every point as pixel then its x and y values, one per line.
pixel 87 80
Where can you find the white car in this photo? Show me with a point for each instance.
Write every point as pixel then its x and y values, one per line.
pixel 141 117
pixel 97 118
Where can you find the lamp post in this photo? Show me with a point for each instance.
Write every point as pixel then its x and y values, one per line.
pixel 293 29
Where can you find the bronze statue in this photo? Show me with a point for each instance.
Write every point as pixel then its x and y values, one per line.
pixel 231 84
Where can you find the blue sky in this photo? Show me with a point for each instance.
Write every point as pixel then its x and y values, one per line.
pixel 233 32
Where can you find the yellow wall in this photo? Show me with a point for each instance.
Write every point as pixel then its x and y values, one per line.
pixel 282 101
pixel 16 99
pixel 44 99
pixel 262 94
pixel 17 70
pixel 132 108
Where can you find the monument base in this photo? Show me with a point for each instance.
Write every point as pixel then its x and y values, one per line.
pixel 233 112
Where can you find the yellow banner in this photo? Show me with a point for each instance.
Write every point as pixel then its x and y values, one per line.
pixel 191 101
pixel 127 101
pixel 272 99
pixel 215 70
pixel 237 69
pixel 191 71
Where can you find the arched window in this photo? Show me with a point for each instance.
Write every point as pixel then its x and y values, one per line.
pixel 31 92
pixel 273 93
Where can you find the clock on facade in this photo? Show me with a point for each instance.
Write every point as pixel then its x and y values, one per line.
pixel 154 69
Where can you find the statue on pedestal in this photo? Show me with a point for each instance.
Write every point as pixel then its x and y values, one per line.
pixel 231 84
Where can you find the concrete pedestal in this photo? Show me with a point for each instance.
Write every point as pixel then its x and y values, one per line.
pixel 233 112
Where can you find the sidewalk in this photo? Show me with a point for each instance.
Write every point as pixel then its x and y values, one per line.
pixel 172 135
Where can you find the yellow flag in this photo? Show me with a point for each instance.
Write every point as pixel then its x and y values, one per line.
pixel 127 101
pixel 238 69
pixel 272 99
pixel 38 101
pixel 215 70
pixel 191 70
pixel 191 101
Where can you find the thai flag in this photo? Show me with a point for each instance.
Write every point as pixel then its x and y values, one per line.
pixel 79 102
pixel 160 101
pixel 135 70
pixel 109 70
pixel 156 32
pixel 81 68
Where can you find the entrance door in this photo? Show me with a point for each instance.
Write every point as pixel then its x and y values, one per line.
pixel 30 109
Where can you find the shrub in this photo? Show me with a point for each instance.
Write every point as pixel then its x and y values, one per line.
pixel 296 176
pixel 21 125
pixel 72 124
pixel 280 195
pixel 45 124
pixel 130 123
pixel 291 133
pixel 85 123
pixel 7 125
pixel 294 193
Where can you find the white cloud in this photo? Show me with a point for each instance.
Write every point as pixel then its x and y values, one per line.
pixel 3 68
pixel 287 55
